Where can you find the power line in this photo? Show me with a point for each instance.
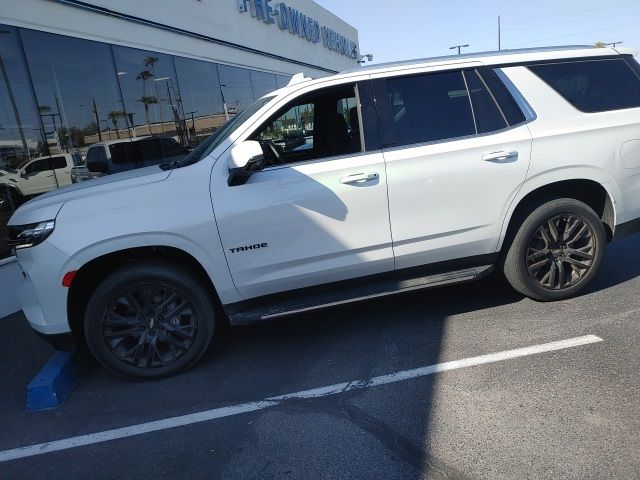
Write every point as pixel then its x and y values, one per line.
pixel 431 42
pixel 574 12
pixel 573 34
pixel 562 23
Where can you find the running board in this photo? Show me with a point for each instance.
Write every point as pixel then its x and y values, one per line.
pixel 355 294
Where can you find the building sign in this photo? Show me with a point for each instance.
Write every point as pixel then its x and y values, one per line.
pixel 297 23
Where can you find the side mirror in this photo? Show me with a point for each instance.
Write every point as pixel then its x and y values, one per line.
pixel 245 159
pixel 24 175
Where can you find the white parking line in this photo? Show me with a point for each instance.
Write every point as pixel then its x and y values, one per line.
pixel 105 436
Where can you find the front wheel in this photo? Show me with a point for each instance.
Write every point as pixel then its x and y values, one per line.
pixel 149 320
pixel 557 251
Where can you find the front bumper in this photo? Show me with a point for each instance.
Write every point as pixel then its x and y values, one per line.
pixel 41 294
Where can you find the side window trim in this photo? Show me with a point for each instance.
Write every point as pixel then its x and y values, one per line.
pixel 493 97
pixel 527 110
pixel 473 110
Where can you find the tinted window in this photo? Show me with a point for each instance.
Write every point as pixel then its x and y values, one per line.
pixel 594 85
pixel 487 114
pixel 201 98
pixel 92 154
pixel 430 107
pixel 59 162
pixel 508 104
pixel 263 83
pixel 171 148
pixel 319 125
pixel 236 88
pixel 151 92
pixel 122 153
pixel 37 167
pixel 633 63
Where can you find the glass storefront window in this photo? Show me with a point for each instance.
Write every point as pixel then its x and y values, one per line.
pixel 263 83
pixel 22 147
pixel 201 98
pixel 282 80
pixel 236 87
pixel 151 93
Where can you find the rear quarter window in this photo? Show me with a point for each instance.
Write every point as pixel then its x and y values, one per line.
pixel 593 85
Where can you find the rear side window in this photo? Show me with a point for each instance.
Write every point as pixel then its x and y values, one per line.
pixel 123 152
pixel 59 162
pixel 430 107
pixel 633 63
pixel 488 116
pixel 593 85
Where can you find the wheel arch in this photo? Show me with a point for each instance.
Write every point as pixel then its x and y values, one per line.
pixel 89 276
pixel 588 191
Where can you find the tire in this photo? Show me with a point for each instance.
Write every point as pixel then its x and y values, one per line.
pixel 574 250
pixel 149 320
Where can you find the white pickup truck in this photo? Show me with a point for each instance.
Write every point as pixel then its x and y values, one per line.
pixel 36 176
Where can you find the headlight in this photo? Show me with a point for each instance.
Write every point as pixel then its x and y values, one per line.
pixel 25 236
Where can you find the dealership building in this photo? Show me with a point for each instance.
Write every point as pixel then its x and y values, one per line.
pixel 78 73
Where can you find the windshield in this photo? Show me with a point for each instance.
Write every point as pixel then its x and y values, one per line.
pixel 217 137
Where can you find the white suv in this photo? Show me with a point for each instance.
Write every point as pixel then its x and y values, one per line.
pixel 368 183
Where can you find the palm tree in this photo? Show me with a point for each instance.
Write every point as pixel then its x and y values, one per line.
pixel 146 101
pixel 114 116
pixel 145 76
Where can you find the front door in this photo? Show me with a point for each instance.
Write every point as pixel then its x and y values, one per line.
pixel 37 177
pixel 460 156
pixel 318 212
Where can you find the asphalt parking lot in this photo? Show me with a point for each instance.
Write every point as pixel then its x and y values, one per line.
pixel 570 413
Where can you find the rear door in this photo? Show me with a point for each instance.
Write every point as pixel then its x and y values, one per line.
pixel 62 168
pixel 456 153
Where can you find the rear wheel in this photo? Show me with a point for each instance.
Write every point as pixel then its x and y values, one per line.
pixel 149 320
pixel 557 251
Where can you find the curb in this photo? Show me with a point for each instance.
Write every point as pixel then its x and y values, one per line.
pixel 53 384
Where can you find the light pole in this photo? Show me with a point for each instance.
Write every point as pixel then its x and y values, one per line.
pixel 458 47
pixel 224 102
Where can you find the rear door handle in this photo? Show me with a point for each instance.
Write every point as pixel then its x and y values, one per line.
pixel 503 156
pixel 359 178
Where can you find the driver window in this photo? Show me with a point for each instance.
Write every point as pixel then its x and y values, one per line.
pixel 323 124
pixel 37 167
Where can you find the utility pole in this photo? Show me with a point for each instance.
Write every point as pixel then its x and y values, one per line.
pixel 613 44
pixel 458 47
pixel 499 39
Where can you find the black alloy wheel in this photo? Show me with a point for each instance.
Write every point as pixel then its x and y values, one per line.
pixel 150 319
pixel 556 250
pixel 149 326
pixel 561 252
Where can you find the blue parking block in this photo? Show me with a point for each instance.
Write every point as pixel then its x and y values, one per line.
pixel 53 384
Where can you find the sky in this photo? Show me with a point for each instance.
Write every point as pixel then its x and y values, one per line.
pixel 407 29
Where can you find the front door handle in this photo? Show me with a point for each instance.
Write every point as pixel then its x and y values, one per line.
pixel 503 156
pixel 359 178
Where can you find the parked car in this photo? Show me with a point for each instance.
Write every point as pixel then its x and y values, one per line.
pixel 36 176
pixel 115 156
pixel 527 162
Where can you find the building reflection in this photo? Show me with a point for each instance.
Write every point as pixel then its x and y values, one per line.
pixel 60 96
